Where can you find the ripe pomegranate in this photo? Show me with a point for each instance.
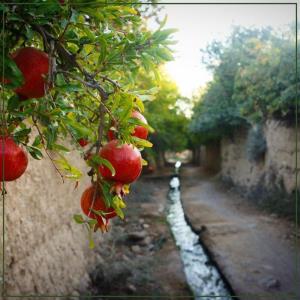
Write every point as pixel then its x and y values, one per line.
pixel 83 142
pixel 139 131
pixel 111 135
pixel 99 204
pixel 15 159
pixel 126 160
pixel 34 65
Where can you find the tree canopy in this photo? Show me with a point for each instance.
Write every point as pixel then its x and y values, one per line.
pixel 254 78
pixel 96 52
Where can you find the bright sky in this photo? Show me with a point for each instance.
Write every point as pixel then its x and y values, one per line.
pixel 198 25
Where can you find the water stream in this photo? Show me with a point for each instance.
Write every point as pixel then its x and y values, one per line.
pixel 202 276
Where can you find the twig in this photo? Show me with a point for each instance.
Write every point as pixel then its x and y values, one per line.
pixel 88 85
pixel 43 143
pixel 66 27
pixel 114 83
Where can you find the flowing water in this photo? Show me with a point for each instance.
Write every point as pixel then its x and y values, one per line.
pixel 202 277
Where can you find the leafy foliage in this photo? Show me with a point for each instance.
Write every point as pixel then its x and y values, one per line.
pixel 96 51
pixel 254 79
pixel 164 114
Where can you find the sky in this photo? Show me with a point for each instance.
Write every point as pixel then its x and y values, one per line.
pixel 198 25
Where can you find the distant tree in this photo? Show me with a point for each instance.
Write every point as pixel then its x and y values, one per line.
pixel 254 78
pixel 165 116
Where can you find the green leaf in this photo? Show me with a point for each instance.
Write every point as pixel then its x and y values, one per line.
pixel 139 104
pixel 163 34
pixel 98 160
pixel 77 129
pixel 91 240
pixel 37 141
pixel 11 72
pixel 20 134
pixel 103 50
pixel 136 121
pixel 116 207
pixel 69 170
pixel 60 148
pixel 13 102
pixel 141 142
pixel 165 54
pixel 105 187
pixel 92 222
pixel 78 219
pixel 35 152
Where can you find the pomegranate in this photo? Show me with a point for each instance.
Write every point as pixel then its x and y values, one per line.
pixel 139 131
pixel 126 160
pixel 99 204
pixel 111 135
pixel 83 142
pixel 34 65
pixel 15 159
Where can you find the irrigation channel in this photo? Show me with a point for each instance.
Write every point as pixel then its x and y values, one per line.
pixel 202 276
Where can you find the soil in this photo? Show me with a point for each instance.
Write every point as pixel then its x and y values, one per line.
pixel 255 250
pixel 140 257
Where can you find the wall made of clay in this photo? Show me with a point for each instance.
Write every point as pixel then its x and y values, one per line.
pixel 46 252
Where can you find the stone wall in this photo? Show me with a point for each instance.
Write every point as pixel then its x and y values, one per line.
pixel 45 251
pixel 270 177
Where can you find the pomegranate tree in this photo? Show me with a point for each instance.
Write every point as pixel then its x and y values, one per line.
pixel 87 77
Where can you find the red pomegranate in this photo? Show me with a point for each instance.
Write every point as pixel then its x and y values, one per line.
pixel 139 131
pixel 111 135
pixel 34 65
pixel 126 160
pixel 83 142
pixel 15 159
pixel 99 204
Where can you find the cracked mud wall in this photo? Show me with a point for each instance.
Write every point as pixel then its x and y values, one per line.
pixel 271 177
pixel 45 251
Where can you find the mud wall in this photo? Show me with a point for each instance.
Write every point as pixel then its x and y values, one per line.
pixel 211 157
pixel 45 251
pixel 270 177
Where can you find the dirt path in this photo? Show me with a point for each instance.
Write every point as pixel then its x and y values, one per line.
pixel 255 251
pixel 140 257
